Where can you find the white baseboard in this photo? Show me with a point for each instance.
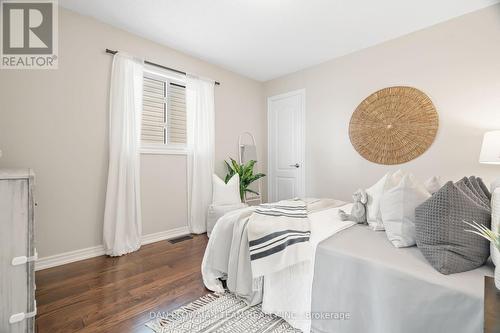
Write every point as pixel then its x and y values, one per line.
pixel 67 257
pixel 162 235
pixel 95 251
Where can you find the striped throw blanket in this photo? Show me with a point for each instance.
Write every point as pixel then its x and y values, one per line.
pixel 278 236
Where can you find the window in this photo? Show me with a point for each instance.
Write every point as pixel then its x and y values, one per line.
pixel 163 128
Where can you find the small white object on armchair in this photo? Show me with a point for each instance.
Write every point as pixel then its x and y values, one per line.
pixel 225 199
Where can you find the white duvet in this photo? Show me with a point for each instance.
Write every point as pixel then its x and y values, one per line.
pixel 286 293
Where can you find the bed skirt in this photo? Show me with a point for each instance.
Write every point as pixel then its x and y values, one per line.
pixel 364 284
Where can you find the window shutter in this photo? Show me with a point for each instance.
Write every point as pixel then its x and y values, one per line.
pixel 164 112
pixel 153 115
pixel 176 114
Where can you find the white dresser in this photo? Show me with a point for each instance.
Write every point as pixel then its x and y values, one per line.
pixel 17 251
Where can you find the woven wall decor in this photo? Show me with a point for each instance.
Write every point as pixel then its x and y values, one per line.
pixel 394 125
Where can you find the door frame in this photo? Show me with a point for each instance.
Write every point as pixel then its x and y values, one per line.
pixel 301 174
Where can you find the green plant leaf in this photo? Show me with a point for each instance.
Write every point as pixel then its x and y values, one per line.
pixel 484 232
pixel 252 191
pixel 230 172
pixel 258 176
pixel 236 166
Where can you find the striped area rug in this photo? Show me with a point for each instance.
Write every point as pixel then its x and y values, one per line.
pixel 219 314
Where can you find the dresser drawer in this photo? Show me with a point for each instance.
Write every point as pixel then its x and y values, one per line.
pixel 17 256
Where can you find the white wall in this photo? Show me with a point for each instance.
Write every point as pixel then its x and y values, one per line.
pixel 457 63
pixel 56 123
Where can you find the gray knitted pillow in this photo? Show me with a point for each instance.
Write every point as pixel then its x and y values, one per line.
pixel 484 187
pixel 441 235
pixel 481 189
pixel 466 186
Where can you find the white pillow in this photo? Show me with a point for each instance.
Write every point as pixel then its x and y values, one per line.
pixel 397 208
pixel 494 185
pixel 495 224
pixel 433 184
pixel 375 193
pixel 226 194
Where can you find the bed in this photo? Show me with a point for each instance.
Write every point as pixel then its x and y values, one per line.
pixel 227 258
pixel 356 281
pixel 380 288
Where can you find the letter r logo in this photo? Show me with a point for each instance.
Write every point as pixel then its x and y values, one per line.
pixel 27 27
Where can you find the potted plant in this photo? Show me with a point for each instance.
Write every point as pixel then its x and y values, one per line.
pixel 245 172
pixel 493 237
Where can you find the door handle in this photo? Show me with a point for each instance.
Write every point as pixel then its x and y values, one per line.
pixel 296 165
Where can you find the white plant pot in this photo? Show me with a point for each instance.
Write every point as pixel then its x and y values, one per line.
pixel 497 277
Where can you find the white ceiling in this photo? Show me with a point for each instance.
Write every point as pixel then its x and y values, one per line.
pixel 265 39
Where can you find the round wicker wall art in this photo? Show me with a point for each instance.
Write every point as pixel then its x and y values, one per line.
pixel 394 125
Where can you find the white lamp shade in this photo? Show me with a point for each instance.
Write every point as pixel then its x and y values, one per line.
pixel 490 151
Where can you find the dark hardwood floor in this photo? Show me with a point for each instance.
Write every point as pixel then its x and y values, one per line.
pixel 118 294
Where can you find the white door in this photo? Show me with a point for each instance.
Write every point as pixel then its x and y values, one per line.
pixel 286 150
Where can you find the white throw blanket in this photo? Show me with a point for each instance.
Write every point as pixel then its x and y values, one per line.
pixel 278 236
pixel 286 293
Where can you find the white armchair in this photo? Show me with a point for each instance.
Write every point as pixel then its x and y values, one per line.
pixel 215 212
pixel 226 198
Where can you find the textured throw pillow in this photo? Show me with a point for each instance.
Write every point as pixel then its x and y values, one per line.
pixel 433 184
pixel 484 195
pixel 495 224
pixel 398 210
pixel 441 235
pixel 484 187
pixel 226 194
pixel 374 193
pixel 465 185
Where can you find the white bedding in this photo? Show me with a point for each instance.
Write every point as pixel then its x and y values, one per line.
pixel 286 293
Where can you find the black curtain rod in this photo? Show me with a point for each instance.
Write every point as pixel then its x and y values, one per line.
pixel 157 65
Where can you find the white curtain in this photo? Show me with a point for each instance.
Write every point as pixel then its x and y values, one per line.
pixel 122 213
pixel 200 108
